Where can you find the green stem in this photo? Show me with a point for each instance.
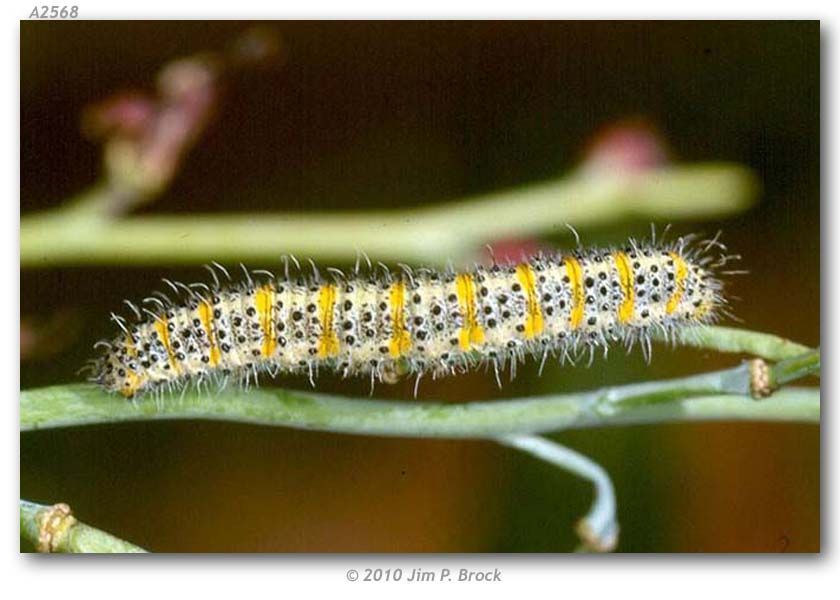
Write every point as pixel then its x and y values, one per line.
pixel 426 235
pixel 692 399
pixel 75 538
pixel 795 368
pixel 716 395
pixel 740 341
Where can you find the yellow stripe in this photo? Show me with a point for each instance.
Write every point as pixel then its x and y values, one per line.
pixel 328 343
pixel 534 317
pixel 161 326
pixel 679 283
pixel 471 332
pixel 264 303
pixel 625 280
pixel 205 315
pixel 134 384
pixel 400 339
pixel 575 272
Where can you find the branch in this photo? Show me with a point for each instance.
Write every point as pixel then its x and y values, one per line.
pixel 740 341
pixel 711 396
pixel 717 395
pixel 54 529
pixel 430 235
pixel 599 528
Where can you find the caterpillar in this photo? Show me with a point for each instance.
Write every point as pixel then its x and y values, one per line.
pixel 376 323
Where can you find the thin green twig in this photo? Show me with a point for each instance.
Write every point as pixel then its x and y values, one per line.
pixel 715 395
pixel 700 398
pixel 740 341
pixel 598 529
pixel 432 235
pixel 51 529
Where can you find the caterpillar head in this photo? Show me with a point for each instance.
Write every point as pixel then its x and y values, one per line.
pixel 116 371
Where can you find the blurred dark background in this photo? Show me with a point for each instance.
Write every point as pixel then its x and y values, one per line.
pixel 389 114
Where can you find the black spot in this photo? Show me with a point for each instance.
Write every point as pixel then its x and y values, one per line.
pixel 250 312
pixel 491 323
pixel 350 340
pixel 589 282
pixel 546 297
pixel 520 328
pixel 505 314
pixel 516 287
pixel 225 347
pixel 421 335
pixel 348 325
pixel 383 349
pixel 603 289
pixel 452 298
pixel 311 308
pixel 348 305
pixel 383 306
pixel 297 315
pixel 602 276
pixel 439 326
pixel 436 310
pixel 592 320
pixel 645 313
pixel 418 321
pixel 488 310
pixel 241 339
pixel 640 279
pixel 655 297
pixel 549 310
pixel 502 298
pixel 417 299
pixel 484 291
pixel 367 317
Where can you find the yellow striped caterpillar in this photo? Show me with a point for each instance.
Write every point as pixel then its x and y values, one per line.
pixel 373 323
